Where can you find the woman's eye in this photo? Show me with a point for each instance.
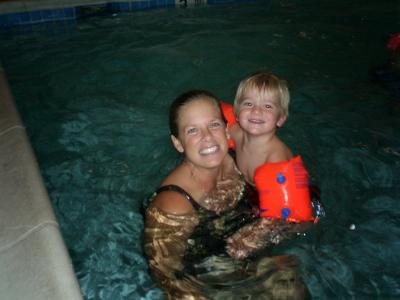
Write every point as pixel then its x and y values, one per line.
pixel 191 131
pixel 215 124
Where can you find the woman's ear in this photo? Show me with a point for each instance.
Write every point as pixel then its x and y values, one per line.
pixel 177 144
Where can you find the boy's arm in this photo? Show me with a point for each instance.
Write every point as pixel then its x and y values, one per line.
pixel 228 113
pixel 280 152
pixel 231 123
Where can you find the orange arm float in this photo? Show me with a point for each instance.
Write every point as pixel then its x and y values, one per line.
pixel 283 191
pixel 229 115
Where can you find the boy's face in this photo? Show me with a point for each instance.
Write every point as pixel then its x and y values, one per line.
pixel 260 113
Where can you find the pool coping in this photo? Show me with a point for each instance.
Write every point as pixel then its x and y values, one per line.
pixel 34 260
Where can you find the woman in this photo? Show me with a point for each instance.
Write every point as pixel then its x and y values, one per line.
pixel 198 206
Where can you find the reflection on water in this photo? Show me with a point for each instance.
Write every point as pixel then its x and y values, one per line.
pixel 275 277
pixel 94 99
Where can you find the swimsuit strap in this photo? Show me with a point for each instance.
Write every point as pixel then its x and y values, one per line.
pixel 178 189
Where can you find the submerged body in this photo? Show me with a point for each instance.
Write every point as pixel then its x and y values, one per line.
pixel 187 253
pixel 200 208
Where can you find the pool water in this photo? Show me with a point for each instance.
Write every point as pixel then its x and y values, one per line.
pixel 94 97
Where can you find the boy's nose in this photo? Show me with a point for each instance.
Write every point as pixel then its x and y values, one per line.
pixel 256 109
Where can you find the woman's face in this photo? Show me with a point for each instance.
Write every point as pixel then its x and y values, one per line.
pixel 202 134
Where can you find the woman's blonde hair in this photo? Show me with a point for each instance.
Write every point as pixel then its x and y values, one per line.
pixel 265 84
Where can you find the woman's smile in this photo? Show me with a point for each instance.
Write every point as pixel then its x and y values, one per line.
pixel 209 150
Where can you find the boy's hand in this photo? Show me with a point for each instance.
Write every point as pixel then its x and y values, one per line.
pixel 229 115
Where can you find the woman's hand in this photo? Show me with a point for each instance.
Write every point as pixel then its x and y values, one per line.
pixel 262 233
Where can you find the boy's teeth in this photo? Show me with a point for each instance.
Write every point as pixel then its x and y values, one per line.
pixel 256 121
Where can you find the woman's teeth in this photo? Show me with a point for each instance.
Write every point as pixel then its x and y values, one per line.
pixel 209 150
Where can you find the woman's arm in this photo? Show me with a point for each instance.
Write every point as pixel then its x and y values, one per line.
pixel 262 233
pixel 166 237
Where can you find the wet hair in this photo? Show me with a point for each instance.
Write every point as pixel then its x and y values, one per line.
pixel 284 281
pixel 264 83
pixel 182 100
pixel 288 285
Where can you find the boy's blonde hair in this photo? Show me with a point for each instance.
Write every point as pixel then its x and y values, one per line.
pixel 264 83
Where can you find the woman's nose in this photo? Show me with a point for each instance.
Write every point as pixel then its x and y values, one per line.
pixel 206 134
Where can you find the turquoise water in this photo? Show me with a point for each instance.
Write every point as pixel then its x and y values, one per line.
pixel 94 97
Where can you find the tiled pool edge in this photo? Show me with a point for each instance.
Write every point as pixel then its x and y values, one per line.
pixel 20 15
pixel 34 261
pixel 17 15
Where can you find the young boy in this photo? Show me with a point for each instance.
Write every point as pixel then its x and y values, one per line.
pixel 261 106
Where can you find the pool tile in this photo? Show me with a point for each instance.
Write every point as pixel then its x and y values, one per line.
pixel 36 16
pixel 119 6
pixel 53 14
pixel 25 18
pixel 140 5
pixel 45 15
pixel 10 19
pixel 70 13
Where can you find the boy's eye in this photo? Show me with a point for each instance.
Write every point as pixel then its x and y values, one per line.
pixel 268 106
pixel 247 104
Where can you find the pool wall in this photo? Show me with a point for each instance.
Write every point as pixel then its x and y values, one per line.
pixel 20 12
pixel 34 262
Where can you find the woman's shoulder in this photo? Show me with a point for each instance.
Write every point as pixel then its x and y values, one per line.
pixel 173 200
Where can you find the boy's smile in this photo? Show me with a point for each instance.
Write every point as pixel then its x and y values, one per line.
pixel 259 113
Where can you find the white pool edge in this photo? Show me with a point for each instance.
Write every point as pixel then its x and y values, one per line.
pixel 34 261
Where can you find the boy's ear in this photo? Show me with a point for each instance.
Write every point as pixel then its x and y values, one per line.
pixel 281 121
pixel 177 144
